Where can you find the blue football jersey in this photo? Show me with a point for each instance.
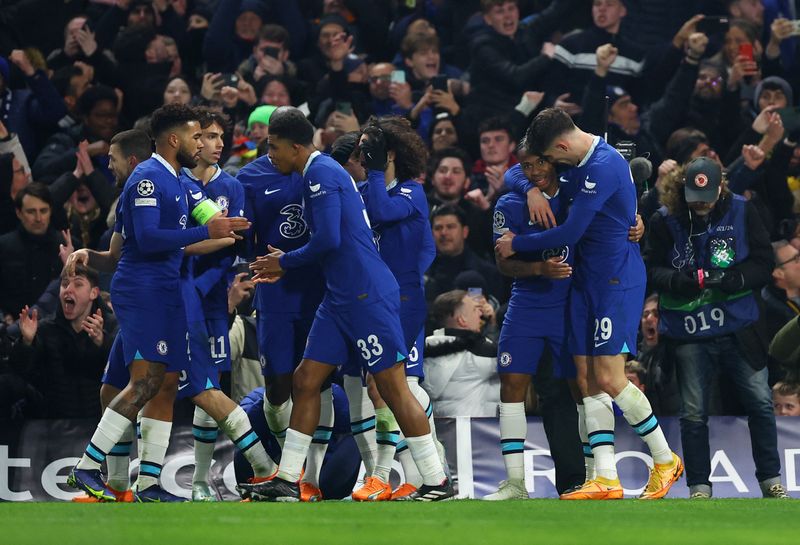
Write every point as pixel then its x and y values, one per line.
pixel 354 271
pixel 212 271
pixel 511 214
pixel 274 205
pixel 152 184
pixel 606 259
pixel 191 296
pixel 399 216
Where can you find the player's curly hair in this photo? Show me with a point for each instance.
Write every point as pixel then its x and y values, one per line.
pixel 672 196
pixel 209 116
pixel 410 152
pixel 170 116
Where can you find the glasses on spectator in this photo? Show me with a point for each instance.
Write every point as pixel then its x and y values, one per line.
pixel 795 258
pixel 376 79
pixel 704 78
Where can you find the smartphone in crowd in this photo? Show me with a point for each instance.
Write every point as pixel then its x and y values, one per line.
pixel 439 82
pixel 713 24
pixel 269 51
pixel 345 108
pixel 796 28
pixel 398 76
pixel 230 80
pixel 746 50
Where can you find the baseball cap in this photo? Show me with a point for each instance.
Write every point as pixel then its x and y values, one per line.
pixel 702 179
pixel 614 93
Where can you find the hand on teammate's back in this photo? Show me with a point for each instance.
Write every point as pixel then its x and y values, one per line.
pixel 556 269
pixel 636 232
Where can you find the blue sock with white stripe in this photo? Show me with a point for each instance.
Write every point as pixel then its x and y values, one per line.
pixel 155 441
pixel 118 462
pixel 513 430
pixel 109 431
pixel 237 427
pixel 387 436
pixel 205 431
pixel 639 414
pixel 320 439
pixel 600 428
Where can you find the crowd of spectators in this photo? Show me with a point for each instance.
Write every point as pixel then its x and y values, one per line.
pixel 671 81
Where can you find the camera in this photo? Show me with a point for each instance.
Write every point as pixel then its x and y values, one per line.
pixel 711 278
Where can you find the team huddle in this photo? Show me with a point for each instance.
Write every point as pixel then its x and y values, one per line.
pixel 339 268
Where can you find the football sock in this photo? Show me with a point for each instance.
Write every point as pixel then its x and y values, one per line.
pixel 139 435
pixel 427 459
pixel 319 443
pixel 588 457
pixel 155 440
pixel 362 421
pixel 410 470
pixel 237 426
pixel 425 402
pixel 278 418
pixel 513 430
pixel 639 414
pixel 205 431
pixel 600 429
pixel 294 454
pixel 387 435
pixel 109 431
pixel 118 461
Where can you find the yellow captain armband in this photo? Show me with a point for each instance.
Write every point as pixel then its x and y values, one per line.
pixel 204 211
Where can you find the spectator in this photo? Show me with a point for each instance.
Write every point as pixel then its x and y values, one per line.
pixel 29 254
pixel 28 112
pixel 63 357
pixel 786 398
pixel 12 178
pixel 99 119
pixel 384 93
pixel 611 110
pixel 453 256
pixel 275 91
pixel 71 82
pixel 80 45
pixel 334 43
pixel 460 364
pixel 637 374
pixel 449 184
pixel 497 155
pixel 245 147
pixel 782 296
pixel 706 252
pixel 661 387
pixel 508 59
pixel 177 91
pixel 575 58
pixel 270 59
pixel 444 133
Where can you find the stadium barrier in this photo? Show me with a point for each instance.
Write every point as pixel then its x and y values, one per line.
pixel 36 456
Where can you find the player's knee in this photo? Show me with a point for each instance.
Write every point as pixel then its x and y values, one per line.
pixel 304 383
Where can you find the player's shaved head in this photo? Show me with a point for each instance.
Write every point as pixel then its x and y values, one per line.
pixel 290 124
pixel 546 127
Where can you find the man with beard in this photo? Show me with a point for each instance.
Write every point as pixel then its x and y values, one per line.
pixel 147 298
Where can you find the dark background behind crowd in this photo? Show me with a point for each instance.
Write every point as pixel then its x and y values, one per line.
pixel 468 74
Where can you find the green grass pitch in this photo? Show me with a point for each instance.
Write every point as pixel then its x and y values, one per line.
pixel 458 522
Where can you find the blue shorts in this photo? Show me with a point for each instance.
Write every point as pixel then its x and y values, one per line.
pixel 411 320
pixel 153 329
pixel 518 354
pixel 604 323
pixel 371 333
pixel 116 372
pixel 219 342
pixel 281 341
pixel 200 374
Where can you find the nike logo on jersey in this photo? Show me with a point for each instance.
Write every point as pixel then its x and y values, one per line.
pixel 596 345
pixel 182 386
pixel 314 187
pixel 271 191
pixel 563 180
pixel 410 365
pixel 373 362
pixel 177 198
